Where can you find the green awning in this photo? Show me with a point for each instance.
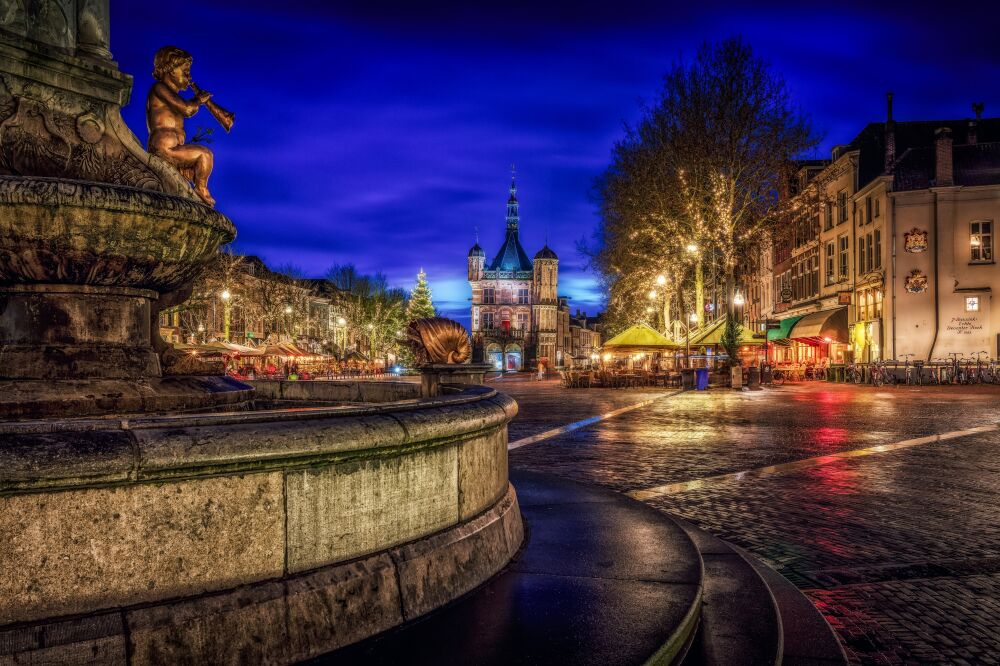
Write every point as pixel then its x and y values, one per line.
pixel 713 335
pixel 639 337
pixel 785 330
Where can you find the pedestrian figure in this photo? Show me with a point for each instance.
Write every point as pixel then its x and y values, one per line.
pixel 541 372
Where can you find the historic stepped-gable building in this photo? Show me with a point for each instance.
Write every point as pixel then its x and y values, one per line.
pixel 514 302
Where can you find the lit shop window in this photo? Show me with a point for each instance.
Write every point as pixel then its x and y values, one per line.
pixel 972 304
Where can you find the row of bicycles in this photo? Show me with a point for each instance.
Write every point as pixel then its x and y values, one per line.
pixel 957 369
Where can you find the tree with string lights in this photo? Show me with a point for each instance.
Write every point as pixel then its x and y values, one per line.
pixel 700 170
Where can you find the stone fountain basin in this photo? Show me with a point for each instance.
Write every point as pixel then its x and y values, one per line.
pixel 83 233
pixel 274 535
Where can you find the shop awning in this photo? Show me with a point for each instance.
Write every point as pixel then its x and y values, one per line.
pixel 821 325
pixel 784 331
pixel 713 335
pixel 638 338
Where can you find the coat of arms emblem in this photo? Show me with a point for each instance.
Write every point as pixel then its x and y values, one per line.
pixel 915 240
pixel 915 282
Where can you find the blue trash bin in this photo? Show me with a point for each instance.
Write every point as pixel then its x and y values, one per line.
pixel 701 379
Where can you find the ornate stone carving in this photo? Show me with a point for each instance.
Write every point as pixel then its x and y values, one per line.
pixel 915 240
pixel 915 282
pixel 12 16
pixel 438 340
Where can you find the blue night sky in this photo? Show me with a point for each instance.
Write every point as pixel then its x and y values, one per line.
pixel 383 133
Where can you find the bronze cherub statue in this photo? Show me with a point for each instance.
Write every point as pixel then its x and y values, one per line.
pixel 165 114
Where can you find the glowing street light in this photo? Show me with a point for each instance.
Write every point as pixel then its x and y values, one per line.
pixel 341 321
pixel 652 294
pixel 661 280
pixel 649 310
pixel 692 248
pixel 288 309
pixel 738 300
pixel 226 312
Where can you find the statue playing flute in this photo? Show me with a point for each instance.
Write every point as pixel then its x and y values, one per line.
pixel 165 114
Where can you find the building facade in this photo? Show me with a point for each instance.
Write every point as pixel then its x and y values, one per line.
pixel 515 303
pixel 890 253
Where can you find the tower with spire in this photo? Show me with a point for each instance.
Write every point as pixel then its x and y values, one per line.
pixel 514 299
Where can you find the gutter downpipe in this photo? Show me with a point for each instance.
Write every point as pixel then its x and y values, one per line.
pixel 891 200
pixel 937 285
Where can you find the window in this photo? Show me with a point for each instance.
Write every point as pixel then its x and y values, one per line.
pixel 489 296
pixel 878 248
pixel 831 262
pixel 522 319
pixel 981 241
pixel 842 206
pixel 487 320
pixel 828 215
pixel 522 296
pixel 868 210
pixel 972 304
pixel 869 304
pixel 869 247
pixel 861 255
pixel 844 249
pixel 878 207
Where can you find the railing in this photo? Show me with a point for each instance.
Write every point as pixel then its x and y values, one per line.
pixel 502 333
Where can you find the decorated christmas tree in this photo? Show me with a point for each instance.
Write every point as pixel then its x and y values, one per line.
pixel 420 299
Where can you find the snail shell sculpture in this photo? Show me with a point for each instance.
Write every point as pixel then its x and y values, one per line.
pixel 438 340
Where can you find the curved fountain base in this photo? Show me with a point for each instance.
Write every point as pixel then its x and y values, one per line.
pixel 293 618
pixel 263 536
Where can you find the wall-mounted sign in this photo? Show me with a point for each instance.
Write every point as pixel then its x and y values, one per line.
pixel 968 325
pixel 915 282
pixel 915 240
pixel 843 298
pixel 786 295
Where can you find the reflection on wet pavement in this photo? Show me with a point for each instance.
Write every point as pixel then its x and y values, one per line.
pixel 892 531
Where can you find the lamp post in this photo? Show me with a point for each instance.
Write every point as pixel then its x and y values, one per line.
pixel 693 319
pixel 226 312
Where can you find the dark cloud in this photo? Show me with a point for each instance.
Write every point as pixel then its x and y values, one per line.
pixel 382 132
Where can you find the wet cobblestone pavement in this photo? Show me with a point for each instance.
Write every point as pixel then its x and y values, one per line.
pixel 899 547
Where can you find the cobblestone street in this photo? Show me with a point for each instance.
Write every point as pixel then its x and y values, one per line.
pixel 893 532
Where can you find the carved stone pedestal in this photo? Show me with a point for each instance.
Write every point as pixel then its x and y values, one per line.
pixel 56 331
pixel 432 376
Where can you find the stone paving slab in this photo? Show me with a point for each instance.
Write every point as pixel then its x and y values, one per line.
pixel 900 550
pixel 620 591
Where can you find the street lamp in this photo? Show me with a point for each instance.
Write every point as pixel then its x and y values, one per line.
pixel 738 300
pixel 652 294
pixel 661 280
pixel 226 312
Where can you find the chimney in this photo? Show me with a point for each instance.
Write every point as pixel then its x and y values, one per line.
pixel 943 176
pixel 890 135
pixel 973 137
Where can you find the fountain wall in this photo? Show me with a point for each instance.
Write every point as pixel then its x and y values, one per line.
pixel 273 535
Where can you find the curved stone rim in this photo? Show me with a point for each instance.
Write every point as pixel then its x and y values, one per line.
pixel 32 190
pixel 101 452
